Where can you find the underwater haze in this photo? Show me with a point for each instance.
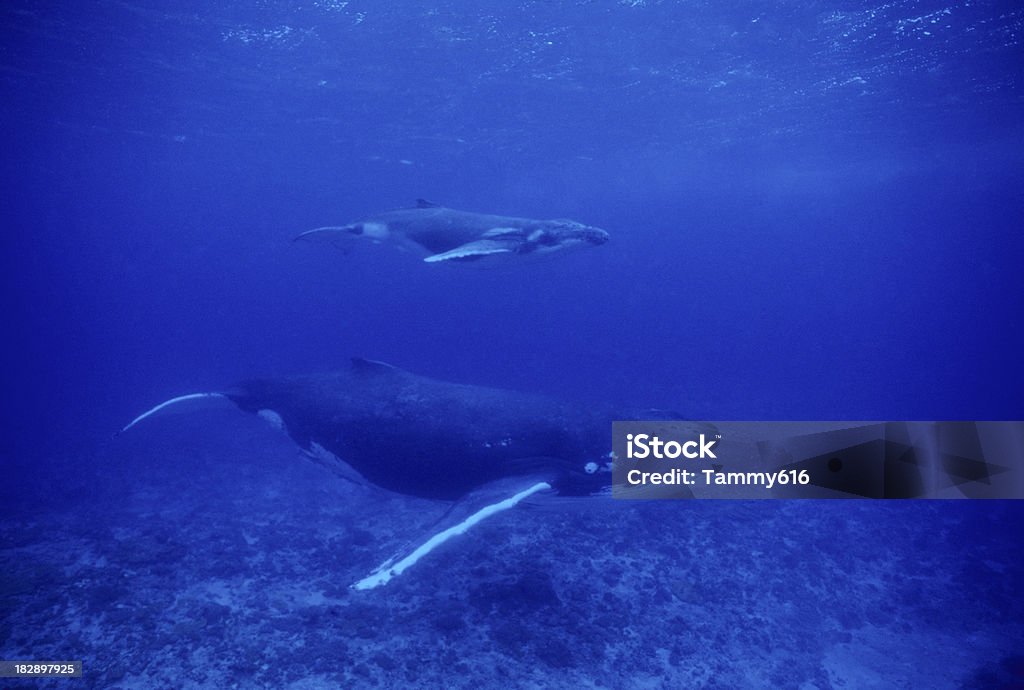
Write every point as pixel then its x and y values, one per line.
pixel 814 210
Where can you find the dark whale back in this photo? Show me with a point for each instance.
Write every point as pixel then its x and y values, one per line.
pixel 429 438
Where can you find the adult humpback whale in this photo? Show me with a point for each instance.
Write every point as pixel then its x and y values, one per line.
pixel 485 448
pixel 447 235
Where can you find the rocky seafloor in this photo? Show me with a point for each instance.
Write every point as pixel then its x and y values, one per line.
pixel 210 553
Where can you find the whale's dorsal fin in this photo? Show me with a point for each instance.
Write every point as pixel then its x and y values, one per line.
pixel 372 366
pixel 423 203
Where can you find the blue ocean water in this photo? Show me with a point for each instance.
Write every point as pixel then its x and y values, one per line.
pixel 815 213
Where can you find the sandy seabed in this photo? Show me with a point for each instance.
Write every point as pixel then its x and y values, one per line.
pixel 210 553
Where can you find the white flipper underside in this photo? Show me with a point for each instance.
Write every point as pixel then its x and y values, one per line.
pixel 470 250
pixel 390 568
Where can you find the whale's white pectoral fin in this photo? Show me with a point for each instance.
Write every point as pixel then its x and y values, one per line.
pixel 393 568
pixel 463 254
pixel 335 465
pixel 470 251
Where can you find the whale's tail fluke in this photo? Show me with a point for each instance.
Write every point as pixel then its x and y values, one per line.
pixel 326 230
pixel 172 401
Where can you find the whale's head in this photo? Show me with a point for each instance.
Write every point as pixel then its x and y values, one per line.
pixel 559 235
pixel 584 477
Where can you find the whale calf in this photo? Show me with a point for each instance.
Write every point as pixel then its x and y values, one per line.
pixel 485 449
pixel 445 235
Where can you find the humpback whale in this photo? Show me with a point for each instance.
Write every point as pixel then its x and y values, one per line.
pixel 446 235
pixel 428 438
pixel 486 449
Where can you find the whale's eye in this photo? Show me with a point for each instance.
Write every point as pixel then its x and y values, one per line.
pixel 590 467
